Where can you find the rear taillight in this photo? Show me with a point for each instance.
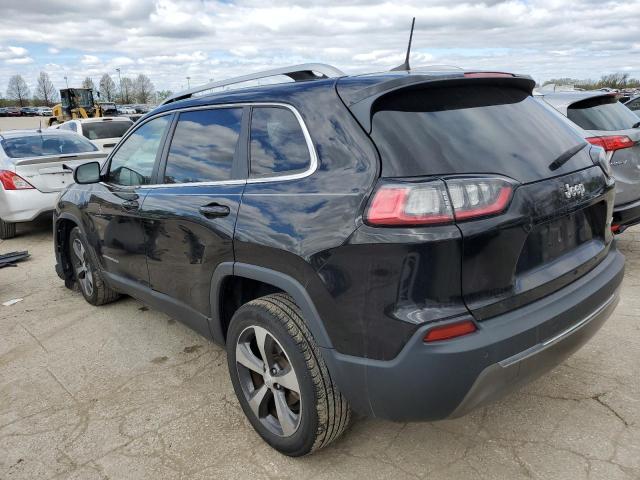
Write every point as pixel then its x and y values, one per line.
pixel 410 204
pixel 11 181
pixel 476 197
pixel 451 330
pixel 612 143
pixel 437 202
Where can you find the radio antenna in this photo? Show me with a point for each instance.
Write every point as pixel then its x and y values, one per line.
pixel 405 66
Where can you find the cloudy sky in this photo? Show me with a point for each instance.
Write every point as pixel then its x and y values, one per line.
pixel 171 39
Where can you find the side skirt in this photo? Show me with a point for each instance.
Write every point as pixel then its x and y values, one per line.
pixel 164 303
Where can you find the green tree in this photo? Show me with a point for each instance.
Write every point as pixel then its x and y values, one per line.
pixel 162 95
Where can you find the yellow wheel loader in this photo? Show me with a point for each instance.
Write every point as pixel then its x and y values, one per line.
pixel 75 103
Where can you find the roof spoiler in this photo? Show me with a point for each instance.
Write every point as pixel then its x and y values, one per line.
pixel 361 102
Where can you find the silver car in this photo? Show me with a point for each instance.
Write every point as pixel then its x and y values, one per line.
pixel 611 125
pixel 105 132
pixel 34 166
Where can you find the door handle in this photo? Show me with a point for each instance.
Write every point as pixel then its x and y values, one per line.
pixel 214 210
pixel 130 205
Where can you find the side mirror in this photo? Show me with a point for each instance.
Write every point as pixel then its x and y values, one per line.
pixel 87 173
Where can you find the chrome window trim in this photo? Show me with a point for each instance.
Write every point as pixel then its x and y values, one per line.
pixel 313 162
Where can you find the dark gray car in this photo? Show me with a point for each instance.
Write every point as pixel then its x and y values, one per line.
pixel 611 125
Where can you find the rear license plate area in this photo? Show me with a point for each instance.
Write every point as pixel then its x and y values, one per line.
pixel 554 238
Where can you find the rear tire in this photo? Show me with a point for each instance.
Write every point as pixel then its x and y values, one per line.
pixel 314 415
pixel 7 230
pixel 86 275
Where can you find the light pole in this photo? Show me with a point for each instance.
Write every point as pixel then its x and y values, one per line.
pixel 65 81
pixel 120 82
pixel 188 82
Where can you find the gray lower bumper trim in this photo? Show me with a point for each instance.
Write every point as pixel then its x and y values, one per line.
pixel 517 370
pixel 559 337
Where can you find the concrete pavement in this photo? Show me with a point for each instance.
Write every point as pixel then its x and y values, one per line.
pixel 125 392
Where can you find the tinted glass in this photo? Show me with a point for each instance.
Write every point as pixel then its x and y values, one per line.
pixel 69 126
pixel 277 142
pixel 109 129
pixel 203 146
pixel 132 164
pixel 634 104
pixel 46 145
pixel 471 129
pixel 602 113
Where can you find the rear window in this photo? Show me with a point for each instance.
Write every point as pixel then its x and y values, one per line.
pixel 633 104
pixel 278 144
pixel 602 113
pixel 46 145
pixel 470 129
pixel 99 130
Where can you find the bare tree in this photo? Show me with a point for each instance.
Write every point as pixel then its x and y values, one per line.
pixel 615 80
pixel 88 83
pixel 107 88
pixel 128 90
pixel 144 89
pixel 18 90
pixel 45 91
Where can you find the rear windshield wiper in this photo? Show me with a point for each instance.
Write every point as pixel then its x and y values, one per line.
pixel 636 125
pixel 566 156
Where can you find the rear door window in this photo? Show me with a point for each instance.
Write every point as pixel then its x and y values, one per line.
pixel 204 145
pixel 278 144
pixel 602 113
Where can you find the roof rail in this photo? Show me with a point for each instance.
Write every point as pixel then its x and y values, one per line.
pixel 304 71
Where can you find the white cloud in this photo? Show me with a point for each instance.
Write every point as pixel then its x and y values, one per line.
pixel 8 53
pixel 89 60
pixel 171 39
pixel 19 61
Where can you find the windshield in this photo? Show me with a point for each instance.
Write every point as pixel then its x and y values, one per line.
pixel 46 145
pixel 602 113
pixel 99 130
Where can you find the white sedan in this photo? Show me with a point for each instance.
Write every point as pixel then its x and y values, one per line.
pixel 35 165
pixel 105 132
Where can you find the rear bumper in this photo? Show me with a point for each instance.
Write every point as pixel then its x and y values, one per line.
pixel 25 205
pixel 450 378
pixel 626 215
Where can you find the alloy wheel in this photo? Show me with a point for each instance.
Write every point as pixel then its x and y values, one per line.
pixel 83 271
pixel 268 380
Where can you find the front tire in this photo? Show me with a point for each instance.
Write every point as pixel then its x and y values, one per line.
pixel 7 230
pixel 86 275
pixel 280 378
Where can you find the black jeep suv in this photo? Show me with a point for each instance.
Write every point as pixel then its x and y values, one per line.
pixel 409 245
